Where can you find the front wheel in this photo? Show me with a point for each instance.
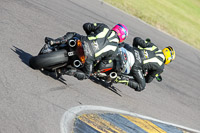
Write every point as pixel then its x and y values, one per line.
pixel 49 59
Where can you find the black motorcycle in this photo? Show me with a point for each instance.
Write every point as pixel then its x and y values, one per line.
pixel 71 54
pixel 53 57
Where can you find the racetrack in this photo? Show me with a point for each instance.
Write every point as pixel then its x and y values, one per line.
pixel 31 102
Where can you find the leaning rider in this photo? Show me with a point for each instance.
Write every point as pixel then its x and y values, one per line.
pixel 102 43
pixel 147 58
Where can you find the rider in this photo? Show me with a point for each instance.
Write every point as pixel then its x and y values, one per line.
pixel 147 58
pixel 101 42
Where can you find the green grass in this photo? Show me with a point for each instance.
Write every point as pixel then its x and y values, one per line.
pixel 180 18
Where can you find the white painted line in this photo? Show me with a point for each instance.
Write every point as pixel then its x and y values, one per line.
pixel 69 116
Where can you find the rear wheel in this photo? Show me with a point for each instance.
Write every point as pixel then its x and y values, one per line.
pixel 49 59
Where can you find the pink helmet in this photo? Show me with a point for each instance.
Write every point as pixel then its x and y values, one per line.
pixel 121 31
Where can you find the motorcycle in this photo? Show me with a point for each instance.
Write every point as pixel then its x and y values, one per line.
pixel 71 54
pixel 107 72
pixel 54 57
pixel 120 67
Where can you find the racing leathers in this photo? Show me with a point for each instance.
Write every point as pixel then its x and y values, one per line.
pixel 101 43
pixel 132 69
pixel 147 58
pixel 154 58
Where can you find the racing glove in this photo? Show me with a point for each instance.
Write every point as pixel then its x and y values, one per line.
pixel 158 78
pixel 148 40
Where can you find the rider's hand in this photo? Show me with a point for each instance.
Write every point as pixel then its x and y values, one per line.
pixel 158 78
pixel 148 40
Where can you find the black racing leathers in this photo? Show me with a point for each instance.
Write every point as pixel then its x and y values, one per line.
pixel 153 58
pixel 138 83
pixel 147 58
pixel 101 43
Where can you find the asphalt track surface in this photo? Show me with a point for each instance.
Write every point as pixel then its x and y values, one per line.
pixel 31 102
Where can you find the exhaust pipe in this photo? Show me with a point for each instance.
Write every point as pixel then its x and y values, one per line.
pixel 77 63
pixel 113 75
pixel 72 43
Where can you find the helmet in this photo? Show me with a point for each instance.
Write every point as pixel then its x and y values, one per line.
pixel 169 54
pixel 121 31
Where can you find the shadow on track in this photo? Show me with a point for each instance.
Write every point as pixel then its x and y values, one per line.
pixel 106 85
pixel 25 57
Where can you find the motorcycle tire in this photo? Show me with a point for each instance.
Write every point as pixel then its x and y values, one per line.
pixel 48 59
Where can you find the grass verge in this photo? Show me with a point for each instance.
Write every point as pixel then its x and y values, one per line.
pixel 180 18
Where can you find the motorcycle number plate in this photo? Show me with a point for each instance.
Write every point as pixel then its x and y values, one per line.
pixel 70 53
